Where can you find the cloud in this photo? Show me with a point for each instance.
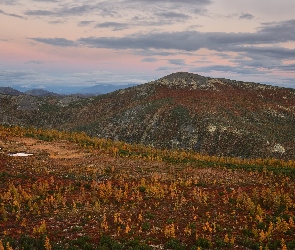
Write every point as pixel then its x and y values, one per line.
pixel 260 49
pixel 64 11
pixel 288 67
pixel 153 52
pixel 165 68
pixel 60 42
pixel 34 62
pixel 8 2
pixel 177 62
pixel 57 22
pixel 246 16
pixel 122 8
pixel 85 23
pixel 189 2
pixel 275 52
pixel 173 15
pixel 11 76
pixel 49 1
pixel 39 13
pixel 201 12
pixel 270 34
pixel 114 25
pixel 149 59
pixel 12 15
pixel 177 40
pixel 284 31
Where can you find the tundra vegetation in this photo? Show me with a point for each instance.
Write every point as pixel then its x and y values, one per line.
pixel 78 192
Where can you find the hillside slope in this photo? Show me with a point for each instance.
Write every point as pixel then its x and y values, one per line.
pixel 76 192
pixel 181 110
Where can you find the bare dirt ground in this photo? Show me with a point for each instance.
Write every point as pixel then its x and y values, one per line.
pixel 55 150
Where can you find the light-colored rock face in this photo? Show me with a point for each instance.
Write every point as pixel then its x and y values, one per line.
pixel 278 148
pixel 212 128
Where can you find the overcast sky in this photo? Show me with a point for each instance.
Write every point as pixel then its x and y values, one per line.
pixel 55 43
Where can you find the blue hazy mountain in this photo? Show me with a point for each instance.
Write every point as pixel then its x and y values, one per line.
pixel 65 90
pixel 9 91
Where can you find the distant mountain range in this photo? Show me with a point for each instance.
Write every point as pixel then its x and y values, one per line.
pixel 40 92
pixel 212 116
pixel 9 91
pixel 84 92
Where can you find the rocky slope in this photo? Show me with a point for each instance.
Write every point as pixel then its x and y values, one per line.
pixel 181 110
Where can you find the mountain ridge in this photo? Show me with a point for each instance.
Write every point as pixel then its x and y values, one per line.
pixel 187 111
pixel 9 91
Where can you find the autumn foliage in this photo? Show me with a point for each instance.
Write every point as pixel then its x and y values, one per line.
pixel 121 196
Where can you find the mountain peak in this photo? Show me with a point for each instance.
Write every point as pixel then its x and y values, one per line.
pixel 9 91
pixel 191 81
pixel 40 92
pixel 182 80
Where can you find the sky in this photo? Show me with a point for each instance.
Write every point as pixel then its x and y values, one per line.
pixel 57 44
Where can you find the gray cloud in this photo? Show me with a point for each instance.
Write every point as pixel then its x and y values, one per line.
pixel 49 1
pixel 194 40
pixel 153 52
pixel 246 16
pixel 11 76
pixel 275 52
pixel 60 42
pixel 114 25
pixel 200 11
pixel 64 11
pixel 288 67
pixel 190 2
pixel 250 55
pixel 117 8
pixel 8 2
pixel 164 68
pixel 177 40
pixel 12 15
pixel 149 59
pixel 177 62
pixel 85 23
pixel 174 15
pixel 283 31
pixel 269 33
pixel 39 13
pixel 57 21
